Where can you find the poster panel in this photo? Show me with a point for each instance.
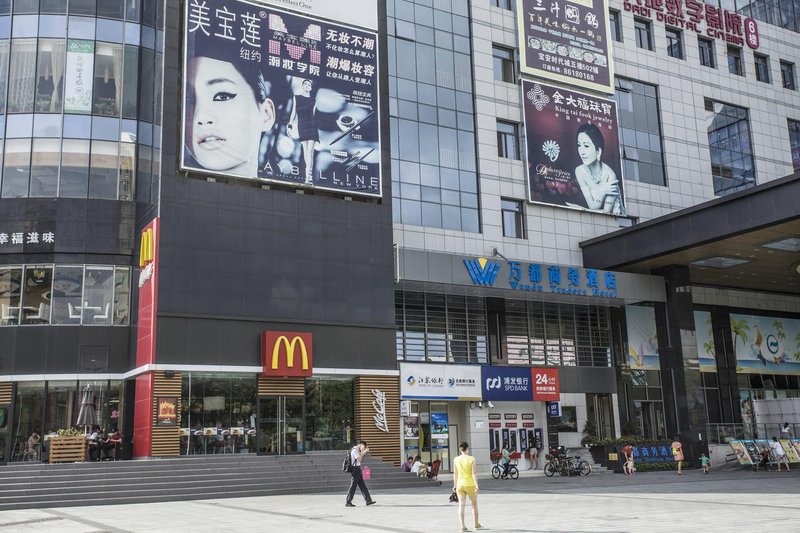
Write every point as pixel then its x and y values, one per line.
pixel 741 452
pixel 411 427
pixel 439 426
pixel 358 12
pixel 704 333
pixel 790 451
pixel 167 413
pixel 642 339
pixel 567 42
pixel 79 77
pixel 274 96
pixel 766 345
pixel 432 381
pixel 573 150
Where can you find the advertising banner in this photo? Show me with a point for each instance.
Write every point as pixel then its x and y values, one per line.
pixel 704 333
pixel 275 96
pixel 790 451
pixel 358 12
pixel 566 41
pixel 503 383
pixel 545 384
pixel 439 426
pixel 449 382
pixel 766 345
pixel 167 414
pixel 740 450
pixel 642 340
pixel 411 427
pixel 79 77
pixel 573 150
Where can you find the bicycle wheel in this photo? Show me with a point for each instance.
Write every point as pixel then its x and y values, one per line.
pixel 564 468
pixel 496 472
pixel 585 468
pixel 549 469
pixel 513 472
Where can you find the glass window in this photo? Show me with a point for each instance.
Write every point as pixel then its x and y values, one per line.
pixel 707 55
pixel 794 142
pixel 502 4
pixel 329 414
pixel 26 6
pixel 644 33
pixel 44 167
pixel 16 168
pixel 640 131
pixel 98 290
pixel 107 93
pixel 50 76
pixel 730 146
pixel 735 63
pixel 787 76
pixel 67 294
pixel 28 414
pixel 74 169
pixel 10 295
pixel 82 7
pixel 513 225
pixel 762 68
pixel 113 9
pixel 569 419
pixel 104 170
pixel 507 140
pixel 53 6
pixel 131 82
pixel 122 296
pixel 503 64
pixel 674 43
pixel 36 294
pixel 22 76
pixel 4 51
pixel 615 24
pixel 127 171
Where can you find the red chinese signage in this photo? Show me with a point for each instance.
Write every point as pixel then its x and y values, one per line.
pixel 527 424
pixel 286 353
pixel 495 424
pixel 706 19
pixel 511 424
pixel 545 384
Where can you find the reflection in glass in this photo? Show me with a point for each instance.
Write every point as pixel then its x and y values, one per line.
pixel 4 51
pixel 50 76
pixel 98 290
pixel 22 76
pixel 329 414
pixel 74 169
pixel 122 293
pixel 16 168
pixel 28 414
pixel 44 167
pixel 107 79
pixel 36 294
pixel 10 295
pixel 104 170
pixel 67 293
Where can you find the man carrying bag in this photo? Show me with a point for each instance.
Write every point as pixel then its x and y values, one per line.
pixel 357 479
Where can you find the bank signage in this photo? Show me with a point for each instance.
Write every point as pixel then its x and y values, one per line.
pixel 447 382
pixel 546 386
pixel 541 277
pixel 504 383
pixel 704 19
pixel 286 354
pixel 553 409
pixel 566 41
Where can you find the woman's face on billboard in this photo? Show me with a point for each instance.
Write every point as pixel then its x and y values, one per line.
pixel 587 150
pixel 228 118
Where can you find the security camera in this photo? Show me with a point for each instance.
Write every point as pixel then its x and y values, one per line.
pixel 490 405
pixel 480 405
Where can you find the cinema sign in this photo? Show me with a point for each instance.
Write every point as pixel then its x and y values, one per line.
pixel 286 354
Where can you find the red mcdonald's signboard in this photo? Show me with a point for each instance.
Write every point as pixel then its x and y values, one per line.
pixel 286 354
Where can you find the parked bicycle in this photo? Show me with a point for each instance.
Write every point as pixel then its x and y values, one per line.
pixel 513 471
pixel 565 465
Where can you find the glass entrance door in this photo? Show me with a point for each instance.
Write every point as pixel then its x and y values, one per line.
pixel 280 425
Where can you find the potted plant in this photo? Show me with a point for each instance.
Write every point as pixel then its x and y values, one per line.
pixel 68 446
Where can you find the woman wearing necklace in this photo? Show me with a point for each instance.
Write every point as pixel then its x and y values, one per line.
pixel 599 184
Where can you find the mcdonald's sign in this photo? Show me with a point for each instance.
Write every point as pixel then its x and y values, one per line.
pixel 147 248
pixel 286 354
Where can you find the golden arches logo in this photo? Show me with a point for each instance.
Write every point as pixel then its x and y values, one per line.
pixel 147 248
pixel 283 340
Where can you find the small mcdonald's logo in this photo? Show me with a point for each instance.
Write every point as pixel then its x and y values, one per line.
pixel 286 353
pixel 147 248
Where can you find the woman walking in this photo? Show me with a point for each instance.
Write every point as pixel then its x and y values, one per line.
pixel 465 483
pixel 677 454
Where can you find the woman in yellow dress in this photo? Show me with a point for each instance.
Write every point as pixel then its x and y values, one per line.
pixel 465 483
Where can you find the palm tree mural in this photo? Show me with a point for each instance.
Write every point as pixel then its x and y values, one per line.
pixel 779 333
pixel 797 353
pixel 708 346
pixel 740 330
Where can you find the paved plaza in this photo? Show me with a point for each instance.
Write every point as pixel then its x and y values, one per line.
pixel 652 502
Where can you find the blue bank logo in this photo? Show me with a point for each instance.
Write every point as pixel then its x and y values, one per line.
pixel 482 271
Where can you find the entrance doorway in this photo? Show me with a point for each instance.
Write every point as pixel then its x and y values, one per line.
pixel 650 418
pixel 600 411
pixel 280 425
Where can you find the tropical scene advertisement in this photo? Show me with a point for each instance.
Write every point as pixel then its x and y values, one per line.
pixel 642 340
pixel 764 344
pixel 705 341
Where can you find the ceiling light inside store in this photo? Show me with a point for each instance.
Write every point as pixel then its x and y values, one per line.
pixel 720 262
pixel 792 244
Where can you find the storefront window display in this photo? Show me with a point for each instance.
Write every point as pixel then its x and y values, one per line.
pixel 426 432
pixel 218 413
pixel 329 414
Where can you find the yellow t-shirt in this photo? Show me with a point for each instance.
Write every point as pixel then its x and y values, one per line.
pixel 463 465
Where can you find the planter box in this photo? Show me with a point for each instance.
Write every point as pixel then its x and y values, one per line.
pixel 68 449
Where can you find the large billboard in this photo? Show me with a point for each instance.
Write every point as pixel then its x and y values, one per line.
pixel 765 344
pixel 573 150
pixel 566 41
pixel 278 97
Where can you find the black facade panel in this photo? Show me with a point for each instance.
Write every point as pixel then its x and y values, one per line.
pixel 580 379
pixel 194 341
pixel 64 350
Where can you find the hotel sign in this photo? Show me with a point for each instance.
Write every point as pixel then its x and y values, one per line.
pixel 286 354
pixel 705 19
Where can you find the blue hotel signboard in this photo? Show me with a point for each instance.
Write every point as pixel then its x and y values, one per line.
pixel 541 277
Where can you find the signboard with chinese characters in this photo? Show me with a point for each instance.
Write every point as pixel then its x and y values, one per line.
pixel 79 77
pixel 545 385
pixel 503 383
pixel 11 240
pixel 701 18
pixel 651 453
pixel 359 12
pixel 451 382
pixel 573 150
pixel 541 277
pixel 274 96
pixel 566 41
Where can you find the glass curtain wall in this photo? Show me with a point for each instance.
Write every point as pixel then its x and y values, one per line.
pixel 330 415
pixel 731 147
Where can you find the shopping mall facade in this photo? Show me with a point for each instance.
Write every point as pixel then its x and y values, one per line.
pixel 251 229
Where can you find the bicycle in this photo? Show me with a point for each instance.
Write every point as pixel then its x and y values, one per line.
pixel 565 465
pixel 513 471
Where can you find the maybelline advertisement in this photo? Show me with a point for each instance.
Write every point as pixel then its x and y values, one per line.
pixel 566 41
pixel 573 150
pixel 274 96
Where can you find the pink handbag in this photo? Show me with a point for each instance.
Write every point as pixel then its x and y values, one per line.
pixel 365 473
